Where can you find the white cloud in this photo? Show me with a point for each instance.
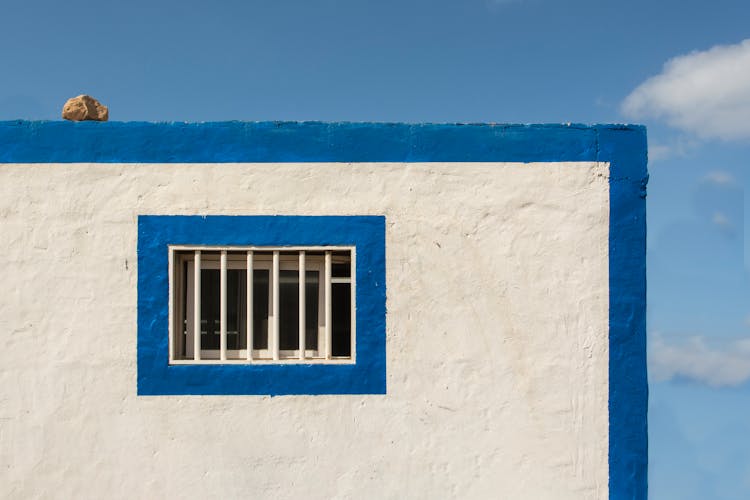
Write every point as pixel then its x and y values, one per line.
pixel 658 152
pixel 706 93
pixel 721 220
pixel 720 178
pixel 695 360
pixel 676 147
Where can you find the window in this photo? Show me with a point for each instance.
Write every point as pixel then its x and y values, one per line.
pixel 251 296
pixel 251 352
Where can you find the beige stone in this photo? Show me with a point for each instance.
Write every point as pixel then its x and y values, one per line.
pixel 85 107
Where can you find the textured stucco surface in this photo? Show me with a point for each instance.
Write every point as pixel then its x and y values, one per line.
pixel 497 338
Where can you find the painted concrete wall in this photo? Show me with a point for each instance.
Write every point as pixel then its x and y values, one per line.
pixel 497 338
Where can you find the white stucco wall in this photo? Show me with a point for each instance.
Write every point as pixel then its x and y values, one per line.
pixel 497 328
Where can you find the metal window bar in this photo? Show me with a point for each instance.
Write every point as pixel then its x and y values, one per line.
pixel 249 307
pixel 326 339
pixel 223 306
pixel 302 305
pixel 197 306
pixel 352 301
pixel 275 307
pixel 328 306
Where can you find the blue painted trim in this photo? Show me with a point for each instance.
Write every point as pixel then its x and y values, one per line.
pixel 623 146
pixel 626 150
pixel 157 377
pixel 138 142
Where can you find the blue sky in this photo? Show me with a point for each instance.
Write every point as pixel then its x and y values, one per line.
pixel 680 67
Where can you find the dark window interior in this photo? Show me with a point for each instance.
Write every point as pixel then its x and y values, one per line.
pixel 261 283
pixel 289 309
pixel 341 341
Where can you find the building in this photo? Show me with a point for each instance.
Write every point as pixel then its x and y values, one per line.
pixel 473 315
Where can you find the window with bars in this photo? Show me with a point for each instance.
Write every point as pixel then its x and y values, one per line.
pixel 247 305
pixel 306 316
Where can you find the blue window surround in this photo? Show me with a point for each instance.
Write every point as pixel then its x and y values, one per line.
pixel 624 146
pixel 156 232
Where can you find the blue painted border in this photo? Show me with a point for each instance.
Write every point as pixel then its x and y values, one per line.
pixel 139 142
pixel 157 377
pixel 623 146
pixel 626 150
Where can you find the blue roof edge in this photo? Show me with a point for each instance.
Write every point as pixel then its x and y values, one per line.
pixel 236 141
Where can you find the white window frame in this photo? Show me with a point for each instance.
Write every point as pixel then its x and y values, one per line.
pixel 274 263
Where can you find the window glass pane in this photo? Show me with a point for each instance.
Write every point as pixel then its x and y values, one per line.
pixel 341 265
pixel 312 282
pixel 260 308
pixel 184 311
pixel 340 270
pixel 209 309
pixel 236 309
pixel 288 310
pixel 236 296
pixel 341 318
